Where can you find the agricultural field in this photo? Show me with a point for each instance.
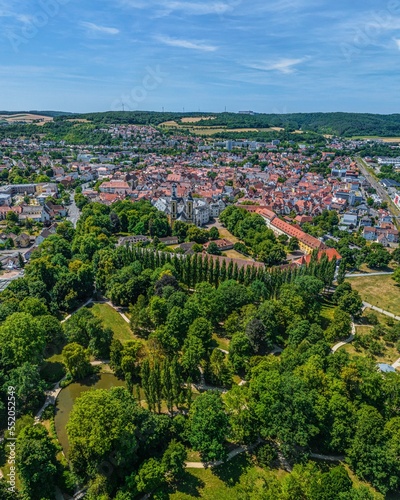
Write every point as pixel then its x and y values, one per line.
pixel 379 291
pixel 26 118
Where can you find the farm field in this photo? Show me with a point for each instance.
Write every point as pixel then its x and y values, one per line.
pixel 26 118
pixel 380 291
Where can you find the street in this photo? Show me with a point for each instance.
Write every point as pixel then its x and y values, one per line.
pixel 73 212
pixel 380 190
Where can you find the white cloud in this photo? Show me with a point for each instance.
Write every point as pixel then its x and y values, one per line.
pixel 285 66
pixel 197 8
pixel 96 28
pixel 190 8
pixel 397 40
pixel 186 44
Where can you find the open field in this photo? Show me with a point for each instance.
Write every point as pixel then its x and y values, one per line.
pixel 211 130
pixel 225 234
pixel 380 291
pixel 372 137
pixel 197 119
pixel 388 355
pixel 233 254
pixel 26 118
pixel 111 319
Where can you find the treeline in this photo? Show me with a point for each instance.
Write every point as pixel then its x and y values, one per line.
pixel 111 267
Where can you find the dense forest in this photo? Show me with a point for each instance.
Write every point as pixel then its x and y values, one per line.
pixel 183 393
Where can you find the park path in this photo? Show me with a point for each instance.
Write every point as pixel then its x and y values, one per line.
pixel 232 454
pixel 365 275
pixel 76 310
pixel 396 364
pixel 382 311
pixel 347 341
pixel 243 449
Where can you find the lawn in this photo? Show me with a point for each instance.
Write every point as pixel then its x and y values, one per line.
pixel 224 233
pixel 233 254
pixel 221 342
pixel 380 291
pixel 111 319
pixel 53 369
pixel 217 483
pixel 389 353
pixel 327 311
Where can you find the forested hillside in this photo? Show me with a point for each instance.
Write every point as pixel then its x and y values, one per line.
pixel 341 124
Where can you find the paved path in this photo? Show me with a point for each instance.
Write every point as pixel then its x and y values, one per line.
pixel 242 449
pixel 80 307
pixel 365 275
pixel 232 454
pixel 382 311
pixel 396 364
pixel 330 458
pixel 347 341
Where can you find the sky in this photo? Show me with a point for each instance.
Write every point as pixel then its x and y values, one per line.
pixel 270 56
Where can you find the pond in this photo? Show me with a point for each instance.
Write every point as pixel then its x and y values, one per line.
pixel 68 395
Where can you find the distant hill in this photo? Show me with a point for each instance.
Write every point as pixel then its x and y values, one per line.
pixel 36 112
pixel 340 124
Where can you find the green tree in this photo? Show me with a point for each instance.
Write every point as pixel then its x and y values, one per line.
pixel 28 385
pixel 173 461
pixel 36 462
pixel 102 427
pixel 208 426
pixel 22 339
pixel 76 359
pixel 213 249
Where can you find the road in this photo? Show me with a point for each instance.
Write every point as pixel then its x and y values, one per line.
pixel 73 211
pixel 381 191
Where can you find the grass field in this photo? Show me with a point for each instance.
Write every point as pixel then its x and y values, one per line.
pixel 111 319
pixel 218 483
pixel 225 234
pixel 327 311
pixel 233 254
pixel 221 342
pixel 197 119
pixel 384 139
pixel 380 291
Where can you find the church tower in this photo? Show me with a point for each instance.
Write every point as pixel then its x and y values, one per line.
pixel 189 208
pixel 174 204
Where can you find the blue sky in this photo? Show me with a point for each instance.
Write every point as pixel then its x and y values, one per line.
pixel 265 55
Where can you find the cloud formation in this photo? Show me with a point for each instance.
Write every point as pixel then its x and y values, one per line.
pixel 285 66
pixel 186 44
pixel 96 28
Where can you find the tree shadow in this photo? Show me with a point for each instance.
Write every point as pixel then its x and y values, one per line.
pixel 189 485
pixel 231 472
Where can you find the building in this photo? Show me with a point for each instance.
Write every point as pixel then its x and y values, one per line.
pixel 222 245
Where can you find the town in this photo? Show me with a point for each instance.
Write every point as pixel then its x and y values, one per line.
pixel 222 306
pixel 286 185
